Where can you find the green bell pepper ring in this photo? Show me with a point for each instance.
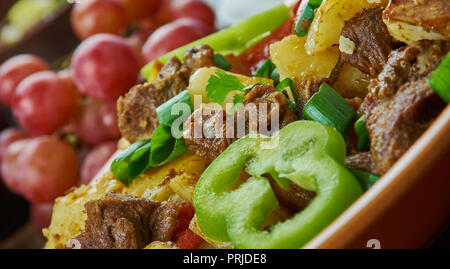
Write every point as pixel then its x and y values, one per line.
pixel 235 39
pixel 309 154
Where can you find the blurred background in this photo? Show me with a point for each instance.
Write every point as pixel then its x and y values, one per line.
pixel 57 129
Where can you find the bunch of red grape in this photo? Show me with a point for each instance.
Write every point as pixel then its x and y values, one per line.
pixel 68 118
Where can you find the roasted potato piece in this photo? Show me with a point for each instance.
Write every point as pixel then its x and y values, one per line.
pixel 162 245
pixel 329 19
pixel 351 82
pixel 292 61
pixel 412 20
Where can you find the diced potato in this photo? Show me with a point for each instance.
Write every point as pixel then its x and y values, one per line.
pixel 351 82
pixel 329 19
pixel 199 81
pixel 412 20
pixel 193 226
pixel 292 61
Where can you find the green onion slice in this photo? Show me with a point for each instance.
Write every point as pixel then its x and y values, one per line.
pixel 366 179
pixel 222 62
pixel 440 79
pixel 328 107
pixel 164 111
pixel 265 70
pixel 363 134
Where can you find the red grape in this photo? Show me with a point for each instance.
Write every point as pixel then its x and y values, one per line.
pixel 46 168
pixel 9 165
pixel 41 215
pixel 138 9
pixel 91 17
pixel 174 35
pixel 105 67
pixel 98 122
pixel 14 70
pixel 194 9
pixel 165 13
pixel 44 102
pixel 9 136
pixel 95 160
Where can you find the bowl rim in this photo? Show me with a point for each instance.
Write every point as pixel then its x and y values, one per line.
pixel 385 192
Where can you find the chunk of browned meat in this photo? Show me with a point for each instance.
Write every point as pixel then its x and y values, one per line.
pixel 295 198
pixel 209 132
pixel 401 105
pixel 198 57
pixel 373 43
pixel 306 89
pixel 124 222
pixel 205 133
pixel 266 98
pixel 362 161
pixel 137 109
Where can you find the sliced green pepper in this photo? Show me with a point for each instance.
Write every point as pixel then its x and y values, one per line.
pixel 237 38
pixel 308 153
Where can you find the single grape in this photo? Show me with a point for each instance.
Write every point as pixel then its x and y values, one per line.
pixel 14 70
pixel 90 17
pixel 174 35
pixel 44 102
pixel 97 122
pixel 138 9
pixel 8 166
pixel 194 9
pixel 105 67
pixel 41 215
pixel 46 168
pixel 96 159
pixel 9 136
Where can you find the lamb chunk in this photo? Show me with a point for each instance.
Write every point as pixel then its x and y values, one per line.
pixel 211 139
pixel 219 131
pixel 295 198
pixel 401 105
pixel 306 89
pixel 362 161
pixel 276 105
pixel 198 57
pixel 137 109
pixel 124 222
pixel 373 42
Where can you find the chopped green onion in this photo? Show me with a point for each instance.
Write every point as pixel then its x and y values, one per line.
pixel 366 179
pixel 315 3
pixel 132 162
pixel 164 111
pixel 292 97
pixel 157 151
pixel 363 134
pixel 265 70
pixel 440 79
pixel 275 77
pixel 165 147
pixel 304 21
pixel 328 107
pixel 222 62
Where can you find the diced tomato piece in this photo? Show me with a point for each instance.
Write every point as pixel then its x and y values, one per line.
pixel 253 57
pixel 186 212
pixel 188 240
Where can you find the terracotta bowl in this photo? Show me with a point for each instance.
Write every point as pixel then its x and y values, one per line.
pixel 408 207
